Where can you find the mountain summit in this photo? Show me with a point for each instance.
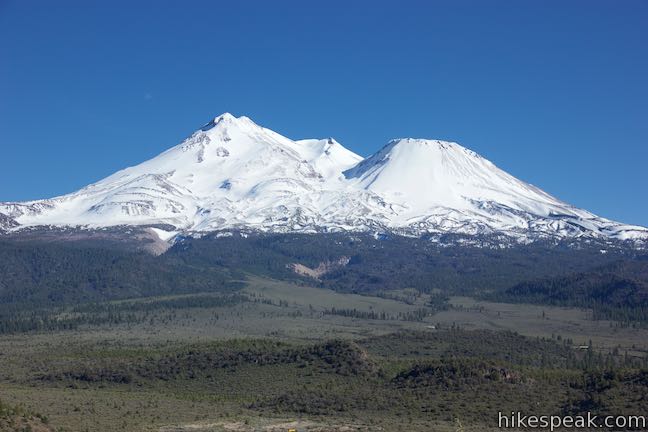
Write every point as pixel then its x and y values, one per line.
pixel 232 174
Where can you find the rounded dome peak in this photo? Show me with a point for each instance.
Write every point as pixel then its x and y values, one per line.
pixel 424 141
pixel 433 144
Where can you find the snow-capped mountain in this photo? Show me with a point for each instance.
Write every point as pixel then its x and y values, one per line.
pixel 233 174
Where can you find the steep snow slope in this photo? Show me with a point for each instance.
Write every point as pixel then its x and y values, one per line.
pixel 229 173
pixel 328 156
pixel 234 174
pixel 428 173
pixel 442 185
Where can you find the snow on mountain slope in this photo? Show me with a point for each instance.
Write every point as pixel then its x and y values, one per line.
pixel 234 174
pixel 7 223
pixel 424 173
pixel 229 173
pixel 328 156
pixel 442 184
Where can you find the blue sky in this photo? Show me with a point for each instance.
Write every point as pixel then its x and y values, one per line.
pixel 554 92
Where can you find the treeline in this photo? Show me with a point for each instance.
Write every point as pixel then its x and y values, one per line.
pixel 184 302
pixel 19 320
pixel 202 361
pixel 618 291
pixel 37 274
pixel 501 346
pixel 626 316
pixel 415 315
pixel 392 263
pixel 45 274
pixel 46 320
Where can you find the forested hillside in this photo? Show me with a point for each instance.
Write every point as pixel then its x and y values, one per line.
pixel 617 291
pixel 50 273
pixel 393 262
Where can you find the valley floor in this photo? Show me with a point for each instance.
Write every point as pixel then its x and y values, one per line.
pixel 291 356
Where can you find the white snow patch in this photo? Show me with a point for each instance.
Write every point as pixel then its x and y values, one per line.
pixel 164 235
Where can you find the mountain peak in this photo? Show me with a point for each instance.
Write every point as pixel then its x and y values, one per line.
pixel 410 154
pixel 429 144
pixel 424 141
pixel 226 120
pixel 225 116
pixel 235 174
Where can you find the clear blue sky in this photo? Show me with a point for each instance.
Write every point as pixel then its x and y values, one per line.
pixel 555 92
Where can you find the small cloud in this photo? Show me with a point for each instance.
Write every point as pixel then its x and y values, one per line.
pixel 148 96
